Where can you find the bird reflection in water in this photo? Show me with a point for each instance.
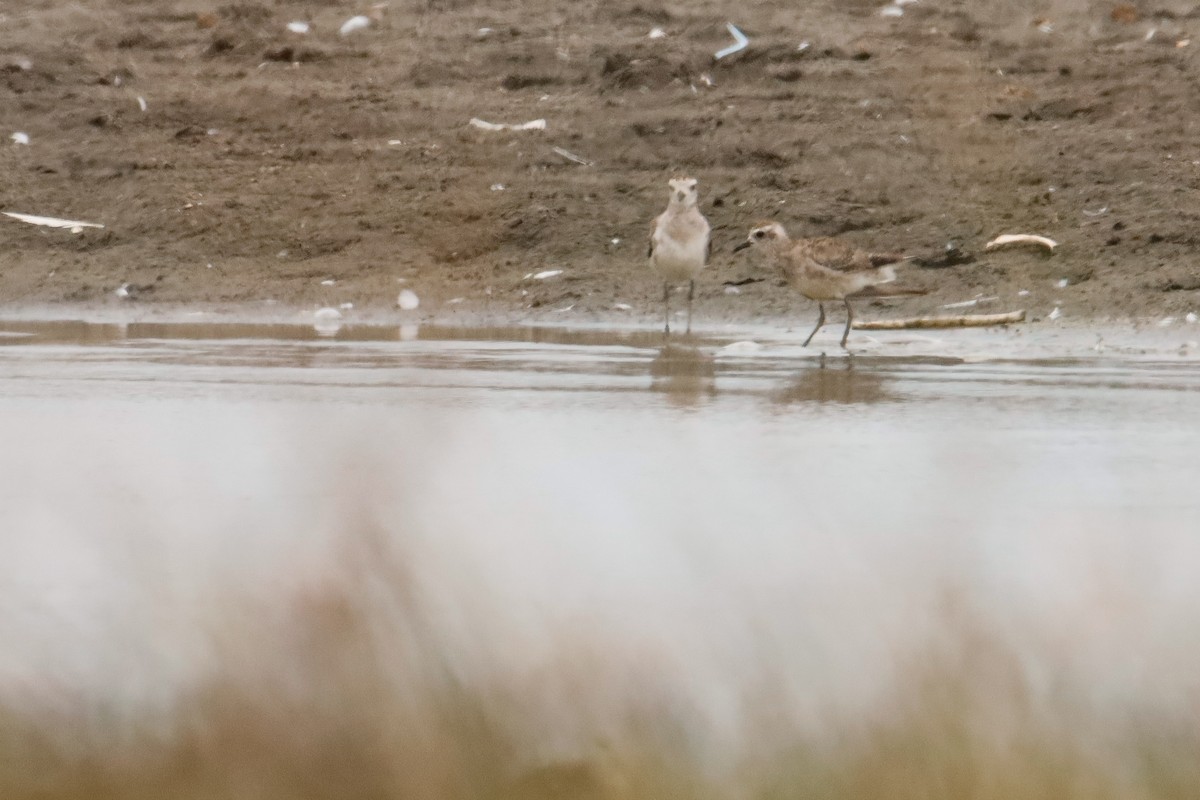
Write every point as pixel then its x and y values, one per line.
pixel 686 374
pixel 836 384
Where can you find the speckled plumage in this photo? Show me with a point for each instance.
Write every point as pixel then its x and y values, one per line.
pixel 825 268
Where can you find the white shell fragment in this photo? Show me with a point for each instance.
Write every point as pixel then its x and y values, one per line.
pixel 1021 238
pixel 123 292
pixel 1191 318
pixel 739 42
pixel 20 137
pixel 328 282
pixel 141 101
pixel 1062 283
pixel 893 10
pixel 532 125
pixel 408 300
pixel 657 33
pixel 543 275
pixel 327 321
pixel 740 348
pixel 1055 314
pixel 354 24
pixel 52 222
pixel 622 307
pixel 303 27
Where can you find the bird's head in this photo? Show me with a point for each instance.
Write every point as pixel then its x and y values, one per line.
pixel 763 233
pixel 683 190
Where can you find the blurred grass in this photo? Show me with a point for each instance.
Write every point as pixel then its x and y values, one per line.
pixel 351 698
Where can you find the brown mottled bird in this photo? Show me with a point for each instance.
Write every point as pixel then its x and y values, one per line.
pixel 679 244
pixel 826 268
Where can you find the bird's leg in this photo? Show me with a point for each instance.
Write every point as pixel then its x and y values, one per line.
pixel 820 322
pixel 666 308
pixel 691 291
pixel 849 322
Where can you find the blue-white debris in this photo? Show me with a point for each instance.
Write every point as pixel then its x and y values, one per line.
pixel 739 42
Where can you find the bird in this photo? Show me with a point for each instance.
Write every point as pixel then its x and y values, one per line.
pixel 680 244
pixel 827 268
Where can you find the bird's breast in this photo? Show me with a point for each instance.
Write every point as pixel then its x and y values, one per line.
pixel 679 259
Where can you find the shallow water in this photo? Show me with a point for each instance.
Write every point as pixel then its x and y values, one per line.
pixel 704 514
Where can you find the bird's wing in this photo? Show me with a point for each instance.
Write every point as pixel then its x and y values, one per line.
pixel 835 254
pixel 842 256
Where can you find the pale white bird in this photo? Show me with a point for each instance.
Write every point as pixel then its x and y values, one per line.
pixel 679 245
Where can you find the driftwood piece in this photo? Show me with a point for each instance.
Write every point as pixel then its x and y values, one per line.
pixel 1021 238
pixel 957 321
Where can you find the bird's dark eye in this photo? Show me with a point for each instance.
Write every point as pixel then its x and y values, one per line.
pixel 759 234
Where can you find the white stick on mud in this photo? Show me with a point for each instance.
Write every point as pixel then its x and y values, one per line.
pixel 1021 238
pixel 532 125
pixel 569 156
pixel 960 321
pixel 52 222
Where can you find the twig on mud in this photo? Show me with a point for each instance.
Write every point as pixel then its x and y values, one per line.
pixel 960 321
pixel 969 303
pixel 569 156
pixel 532 125
pixel 739 42
pixel 53 222
pixel 1021 238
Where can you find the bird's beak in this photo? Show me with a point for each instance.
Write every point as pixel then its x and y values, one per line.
pixel 742 246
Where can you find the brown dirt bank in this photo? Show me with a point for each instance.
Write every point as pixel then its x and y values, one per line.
pixel 286 160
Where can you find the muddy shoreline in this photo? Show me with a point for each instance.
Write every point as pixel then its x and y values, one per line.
pixel 272 170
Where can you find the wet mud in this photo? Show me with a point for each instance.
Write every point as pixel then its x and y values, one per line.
pixel 272 169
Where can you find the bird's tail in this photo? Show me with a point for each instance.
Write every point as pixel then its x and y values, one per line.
pixel 879 259
pixel 890 290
